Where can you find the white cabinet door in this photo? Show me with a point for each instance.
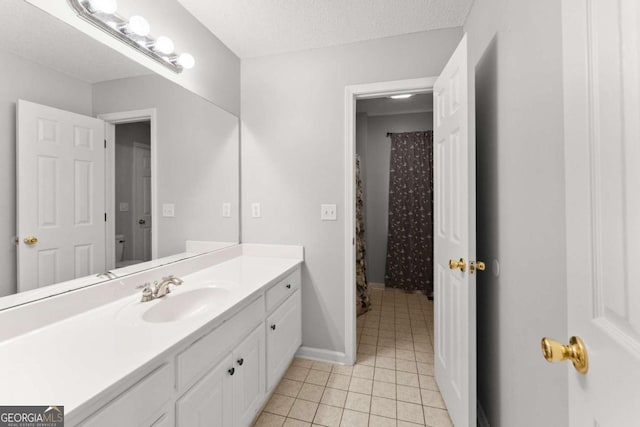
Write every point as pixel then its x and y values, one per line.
pixel 283 337
pixel 249 378
pixel 455 233
pixel 601 49
pixel 210 402
pixel 60 195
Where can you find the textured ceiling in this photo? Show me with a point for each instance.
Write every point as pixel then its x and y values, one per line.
pixel 37 36
pixel 384 106
pixel 264 27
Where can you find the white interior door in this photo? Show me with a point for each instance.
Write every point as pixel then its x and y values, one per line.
pixel 142 202
pixel 602 157
pixel 60 195
pixel 454 228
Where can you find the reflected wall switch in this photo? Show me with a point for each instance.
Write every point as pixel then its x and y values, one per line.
pixel 124 207
pixel 328 212
pixel 168 209
pixel 226 210
pixel 255 210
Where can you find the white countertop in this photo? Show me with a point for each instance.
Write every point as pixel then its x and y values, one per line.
pixel 76 359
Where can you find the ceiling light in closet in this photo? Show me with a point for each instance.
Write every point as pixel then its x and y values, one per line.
pixel 401 96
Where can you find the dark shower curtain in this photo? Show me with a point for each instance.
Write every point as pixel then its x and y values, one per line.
pixel 409 263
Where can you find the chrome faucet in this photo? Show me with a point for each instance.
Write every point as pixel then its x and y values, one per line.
pixel 161 289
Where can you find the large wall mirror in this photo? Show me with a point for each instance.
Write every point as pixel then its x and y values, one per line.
pixel 106 167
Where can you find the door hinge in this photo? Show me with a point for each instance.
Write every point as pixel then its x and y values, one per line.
pixel 105 143
pixel 105 217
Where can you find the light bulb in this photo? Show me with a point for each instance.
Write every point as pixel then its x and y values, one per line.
pixel 164 45
pixel 403 96
pixel 186 60
pixel 138 25
pixel 104 6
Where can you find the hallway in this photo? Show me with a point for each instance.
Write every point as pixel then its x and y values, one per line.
pixel 391 384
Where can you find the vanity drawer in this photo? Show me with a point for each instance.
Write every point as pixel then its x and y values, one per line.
pixel 284 288
pixel 194 362
pixel 139 403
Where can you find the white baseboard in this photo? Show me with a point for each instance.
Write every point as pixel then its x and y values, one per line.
pixel 322 355
pixel 376 285
pixel 482 417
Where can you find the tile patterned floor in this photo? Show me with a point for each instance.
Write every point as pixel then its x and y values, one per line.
pixel 391 383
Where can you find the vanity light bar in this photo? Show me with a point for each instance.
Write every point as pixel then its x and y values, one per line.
pixel 133 32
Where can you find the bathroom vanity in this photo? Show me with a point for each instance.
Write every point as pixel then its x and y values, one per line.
pixel 207 354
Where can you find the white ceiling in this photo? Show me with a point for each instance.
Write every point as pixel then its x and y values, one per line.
pixel 33 34
pixel 264 27
pixel 419 103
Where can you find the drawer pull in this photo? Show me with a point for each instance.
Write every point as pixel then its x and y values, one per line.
pixel 240 361
pixel 232 371
pixel 288 285
pixel 273 327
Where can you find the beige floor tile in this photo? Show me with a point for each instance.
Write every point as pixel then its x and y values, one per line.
pixel 289 387
pixel 389 352
pixel 367 339
pixel 363 371
pixel 428 382
pixel 366 359
pixel 409 394
pixel 404 345
pixel 367 349
pixel 378 421
pixel 280 404
pixel 425 368
pixel 302 363
pixel 354 419
pixel 410 412
pixel 269 420
pixel 407 378
pixel 424 357
pixel 360 385
pixel 329 416
pixel 435 417
pixel 402 423
pixel 385 375
pixel 311 392
pixel 386 333
pixel 317 377
pixel 296 373
pixel 385 362
pixel 383 407
pixel 406 366
pixel 384 389
pixel 338 381
pixel 322 366
pixel 342 370
pixel 432 398
pixel 334 397
pixel 405 355
pixel 292 422
pixel 424 347
pixel 303 410
pixel 387 342
pixel 358 402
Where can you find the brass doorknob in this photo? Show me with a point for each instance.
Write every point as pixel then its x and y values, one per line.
pixel 476 265
pixel 31 240
pixel 575 351
pixel 462 265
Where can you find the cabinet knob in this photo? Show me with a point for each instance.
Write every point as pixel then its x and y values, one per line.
pixel 240 361
pixel 273 327
pixel 288 285
pixel 232 371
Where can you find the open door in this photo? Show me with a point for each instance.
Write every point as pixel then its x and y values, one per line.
pixel 60 195
pixel 455 245
pixel 601 49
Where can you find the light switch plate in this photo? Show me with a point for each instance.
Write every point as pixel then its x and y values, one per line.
pixel 168 210
pixel 226 210
pixel 124 207
pixel 328 212
pixel 255 210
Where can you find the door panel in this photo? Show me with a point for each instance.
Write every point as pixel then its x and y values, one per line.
pixel 249 378
pixel 454 200
pixel 142 202
pixel 283 337
pixel 602 110
pixel 60 195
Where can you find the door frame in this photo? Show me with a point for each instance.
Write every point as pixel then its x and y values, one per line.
pixel 352 94
pixel 111 120
pixel 135 195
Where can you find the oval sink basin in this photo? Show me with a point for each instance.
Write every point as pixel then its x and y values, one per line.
pixel 185 304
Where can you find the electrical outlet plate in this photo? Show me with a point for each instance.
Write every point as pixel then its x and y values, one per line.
pixel 226 210
pixel 124 207
pixel 328 212
pixel 168 210
pixel 255 210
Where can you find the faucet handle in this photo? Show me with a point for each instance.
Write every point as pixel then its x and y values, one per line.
pixel 147 293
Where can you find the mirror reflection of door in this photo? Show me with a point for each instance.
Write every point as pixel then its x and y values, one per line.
pixel 133 193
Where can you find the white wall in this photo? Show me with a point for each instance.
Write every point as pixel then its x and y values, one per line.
pixel 293 155
pixel 378 157
pixel 515 53
pixel 27 80
pixel 216 75
pixel 198 159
